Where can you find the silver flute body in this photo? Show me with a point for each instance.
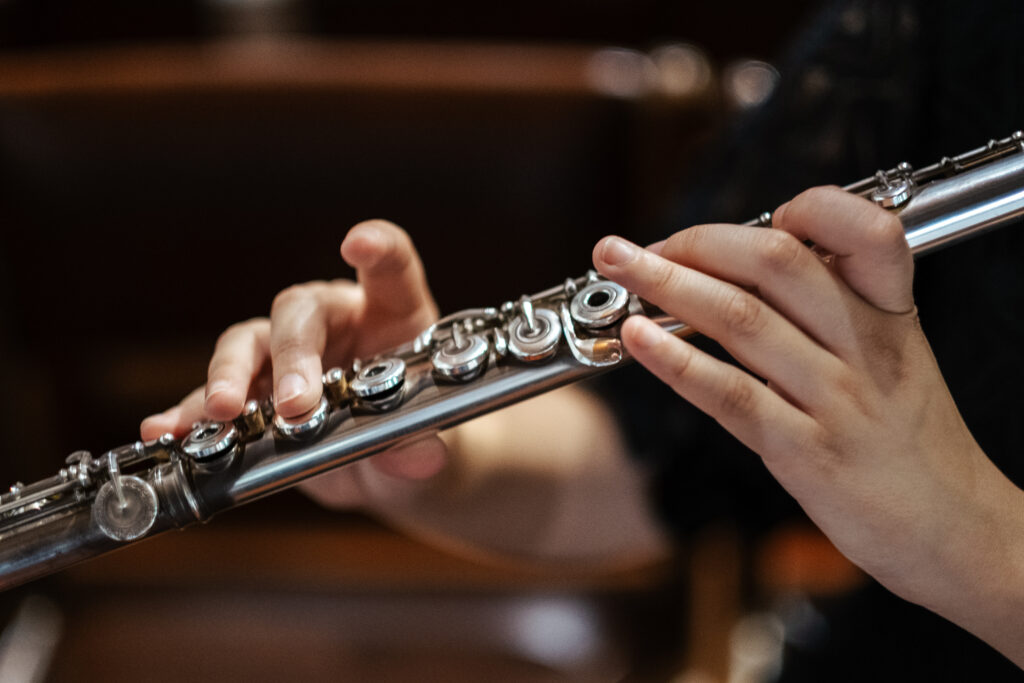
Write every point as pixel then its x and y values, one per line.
pixel 465 365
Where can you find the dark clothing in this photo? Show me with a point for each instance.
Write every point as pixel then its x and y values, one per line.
pixel 871 83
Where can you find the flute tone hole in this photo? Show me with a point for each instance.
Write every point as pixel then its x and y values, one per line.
pixel 206 432
pixel 376 370
pixel 597 299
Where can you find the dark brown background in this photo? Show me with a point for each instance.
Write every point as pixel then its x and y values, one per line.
pixel 152 193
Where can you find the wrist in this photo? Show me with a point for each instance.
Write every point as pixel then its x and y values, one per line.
pixel 984 566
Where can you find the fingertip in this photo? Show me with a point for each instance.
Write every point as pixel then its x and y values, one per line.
pixel 778 217
pixel 614 251
pixel 641 334
pixel 295 395
pixel 596 254
pixel 365 243
pixel 148 429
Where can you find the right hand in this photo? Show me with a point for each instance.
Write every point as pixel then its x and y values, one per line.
pixel 314 325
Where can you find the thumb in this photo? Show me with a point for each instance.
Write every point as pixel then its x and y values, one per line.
pixel 419 459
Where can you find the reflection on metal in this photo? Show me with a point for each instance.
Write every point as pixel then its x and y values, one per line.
pixel 28 642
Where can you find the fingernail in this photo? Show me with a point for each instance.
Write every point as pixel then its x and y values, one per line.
pixel 648 335
pixel 618 251
pixel 217 387
pixel 290 386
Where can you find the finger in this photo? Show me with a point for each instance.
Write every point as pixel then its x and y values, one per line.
pixel 238 358
pixel 871 251
pixel 419 459
pixel 177 420
pixel 346 487
pixel 786 274
pixel 748 409
pixel 390 270
pixel 748 328
pixel 299 320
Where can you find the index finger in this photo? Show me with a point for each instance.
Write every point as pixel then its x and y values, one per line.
pixel 389 269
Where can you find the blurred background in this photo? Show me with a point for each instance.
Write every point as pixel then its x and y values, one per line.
pixel 167 167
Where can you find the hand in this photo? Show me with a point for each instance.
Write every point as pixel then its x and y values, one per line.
pixel 314 324
pixel 855 420
pixel 501 493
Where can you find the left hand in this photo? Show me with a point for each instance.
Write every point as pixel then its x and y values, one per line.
pixel 855 420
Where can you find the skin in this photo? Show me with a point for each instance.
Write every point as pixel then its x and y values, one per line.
pixel 842 399
pixel 459 491
pixel 854 418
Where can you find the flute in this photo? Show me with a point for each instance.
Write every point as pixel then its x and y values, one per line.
pixel 464 365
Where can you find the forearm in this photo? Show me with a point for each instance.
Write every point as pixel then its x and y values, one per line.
pixel 545 481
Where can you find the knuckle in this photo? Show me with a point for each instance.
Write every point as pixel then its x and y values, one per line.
pixel 884 231
pixel 289 348
pixel 780 251
pixel 686 241
pixel 742 314
pixel 737 396
pixel 806 204
pixel 817 194
pixel 809 198
pixel 295 295
pixel 679 372
pixel 850 394
pixel 827 448
pixel 665 279
pixel 221 367
pixel 849 389
pixel 246 327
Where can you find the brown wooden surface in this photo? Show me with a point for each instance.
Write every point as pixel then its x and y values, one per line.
pixel 303 64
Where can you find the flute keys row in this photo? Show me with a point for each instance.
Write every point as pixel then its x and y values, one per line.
pixel 532 336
